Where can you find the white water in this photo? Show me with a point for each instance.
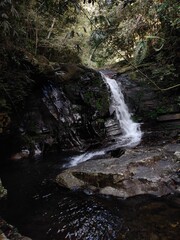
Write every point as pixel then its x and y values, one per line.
pixel 131 133
pixel 131 130
pixel 84 157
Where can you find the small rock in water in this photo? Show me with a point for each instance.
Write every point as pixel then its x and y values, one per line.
pixel 20 155
pixel 177 155
pixel 117 152
pixel 3 191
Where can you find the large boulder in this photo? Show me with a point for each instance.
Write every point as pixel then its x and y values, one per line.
pixel 138 171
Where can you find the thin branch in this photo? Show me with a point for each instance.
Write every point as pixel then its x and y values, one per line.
pixel 51 28
pixel 148 78
pixel 36 40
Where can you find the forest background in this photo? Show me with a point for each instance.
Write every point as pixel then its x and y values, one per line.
pixel 116 34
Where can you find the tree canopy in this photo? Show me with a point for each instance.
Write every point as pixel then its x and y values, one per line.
pixel 97 32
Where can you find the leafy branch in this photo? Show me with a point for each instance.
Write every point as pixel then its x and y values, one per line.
pixel 148 78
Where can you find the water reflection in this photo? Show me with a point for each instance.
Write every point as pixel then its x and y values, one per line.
pixel 80 218
pixel 43 211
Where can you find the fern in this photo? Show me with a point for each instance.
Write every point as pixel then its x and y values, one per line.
pixel 140 52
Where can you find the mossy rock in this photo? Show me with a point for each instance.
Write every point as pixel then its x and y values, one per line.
pixel 86 86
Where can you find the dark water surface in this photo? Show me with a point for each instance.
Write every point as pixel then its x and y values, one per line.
pixel 43 211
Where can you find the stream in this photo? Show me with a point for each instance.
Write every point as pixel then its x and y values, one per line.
pixel 43 211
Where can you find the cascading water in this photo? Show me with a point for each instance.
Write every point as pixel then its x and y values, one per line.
pixel 131 133
pixel 84 157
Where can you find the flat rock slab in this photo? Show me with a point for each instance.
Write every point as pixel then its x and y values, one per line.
pixel 138 171
pixel 169 117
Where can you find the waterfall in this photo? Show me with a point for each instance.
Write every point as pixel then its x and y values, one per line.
pixel 84 157
pixel 131 133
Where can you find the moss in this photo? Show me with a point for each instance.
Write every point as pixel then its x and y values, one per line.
pixel 156 112
pixel 100 102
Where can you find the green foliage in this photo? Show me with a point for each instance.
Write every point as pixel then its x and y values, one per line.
pixel 141 52
pixel 165 73
pixel 7 14
pixel 3 104
pixel 96 33
pixel 168 13
pixel 60 54
pixel 97 37
pixel 157 112
pixel 143 47
pixel 15 80
pixel 137 29
pixel 119 28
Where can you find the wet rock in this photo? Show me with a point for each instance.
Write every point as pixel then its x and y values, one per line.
pixel 112 128
pixel 2 236
pixel 8 232
pixel 72 104
pixel 20 155
pixel 177 155
pixel 141 99
pixel 3 191
pixel 138 171
pixel 169 117
pixel 172 148
pixel 116 152
pixel 146 102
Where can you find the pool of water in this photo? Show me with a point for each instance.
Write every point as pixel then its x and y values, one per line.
pixel 43 211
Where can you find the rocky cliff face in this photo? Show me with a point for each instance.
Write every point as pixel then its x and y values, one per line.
pixel 146 102
pixel 68 109
pixel 60 106
pixel 64 106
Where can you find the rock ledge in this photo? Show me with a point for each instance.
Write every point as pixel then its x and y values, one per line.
pixel 138 171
